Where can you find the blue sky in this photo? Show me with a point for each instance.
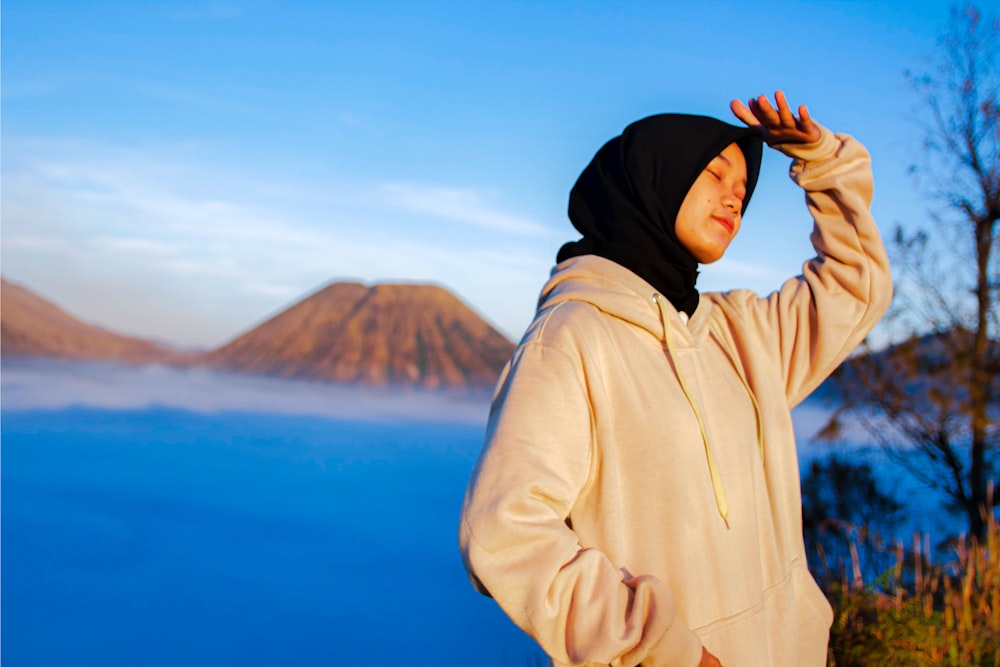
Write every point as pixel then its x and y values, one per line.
pixel 183 170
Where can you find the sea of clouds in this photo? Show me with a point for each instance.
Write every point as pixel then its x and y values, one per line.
pixel 53 385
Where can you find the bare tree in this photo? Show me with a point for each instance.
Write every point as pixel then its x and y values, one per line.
pixel 931 400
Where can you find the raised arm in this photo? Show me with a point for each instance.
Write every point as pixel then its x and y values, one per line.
pixel 815 320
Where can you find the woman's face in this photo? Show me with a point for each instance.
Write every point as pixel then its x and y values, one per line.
pixel 710 214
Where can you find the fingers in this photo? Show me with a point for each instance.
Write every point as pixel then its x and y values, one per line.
pixel 776 122
pixel 762 108
pixel 759 113
pixel 770 117
pixel 741 111
pixel 784 113
pixel 806 121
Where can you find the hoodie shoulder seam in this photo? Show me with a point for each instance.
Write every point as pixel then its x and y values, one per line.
pixel 550 312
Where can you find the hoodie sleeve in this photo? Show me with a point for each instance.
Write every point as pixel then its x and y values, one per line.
pixel 815 320
pixel 516 541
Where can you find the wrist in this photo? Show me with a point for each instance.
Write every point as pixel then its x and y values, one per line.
pixel 825 146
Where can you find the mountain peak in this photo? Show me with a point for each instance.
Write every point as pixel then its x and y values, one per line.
pixel 411 335
pixel 35 327
pixel 383 335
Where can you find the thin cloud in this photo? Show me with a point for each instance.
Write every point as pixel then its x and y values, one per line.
pixel 159 242
pixel 49 245
pixel 137 246
pixel 729 273
pixel 740 269
pixel 458 205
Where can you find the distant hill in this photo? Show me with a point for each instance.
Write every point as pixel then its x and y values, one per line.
pixel 922 364
pixel 30 326
pixel 382 335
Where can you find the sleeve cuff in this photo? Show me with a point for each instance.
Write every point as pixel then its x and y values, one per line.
pixel 826 146
pixel 678 647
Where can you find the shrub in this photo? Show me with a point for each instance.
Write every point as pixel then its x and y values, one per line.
pixel 922 613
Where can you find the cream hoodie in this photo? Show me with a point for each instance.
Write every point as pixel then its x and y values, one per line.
pixel 638 493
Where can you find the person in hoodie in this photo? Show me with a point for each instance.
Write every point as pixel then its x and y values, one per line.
pixel 637 498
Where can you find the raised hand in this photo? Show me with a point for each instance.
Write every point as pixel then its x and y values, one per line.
pixel 777 125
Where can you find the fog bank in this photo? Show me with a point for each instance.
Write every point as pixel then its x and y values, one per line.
pixel 52 385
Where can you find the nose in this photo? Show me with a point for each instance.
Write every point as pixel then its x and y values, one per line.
pixel 732 203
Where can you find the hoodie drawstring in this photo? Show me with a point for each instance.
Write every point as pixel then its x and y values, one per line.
pixel 720 494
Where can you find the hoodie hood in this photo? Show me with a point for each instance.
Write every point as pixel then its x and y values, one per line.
pixel 622 294
pixel 625 202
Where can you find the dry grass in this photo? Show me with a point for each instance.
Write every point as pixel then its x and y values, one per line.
pixel 922 612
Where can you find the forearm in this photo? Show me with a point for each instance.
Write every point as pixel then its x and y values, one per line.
pixel 848 284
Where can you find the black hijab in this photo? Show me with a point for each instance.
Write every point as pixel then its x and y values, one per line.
pixel 626 200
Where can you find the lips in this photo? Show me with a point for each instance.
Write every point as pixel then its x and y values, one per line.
pixel 725 221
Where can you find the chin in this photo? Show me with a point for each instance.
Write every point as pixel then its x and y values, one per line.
pixel 709 258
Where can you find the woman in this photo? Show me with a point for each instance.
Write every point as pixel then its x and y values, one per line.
pixel 637 498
